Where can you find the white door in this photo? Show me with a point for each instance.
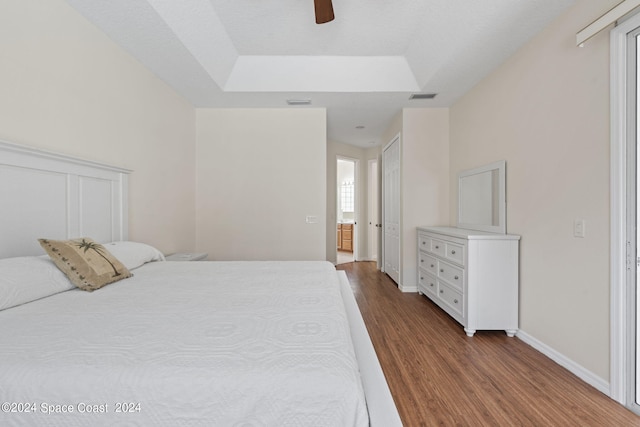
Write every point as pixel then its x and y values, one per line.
pixel 391 209
pixel 634 212
pixel 625 217
pixel 373 210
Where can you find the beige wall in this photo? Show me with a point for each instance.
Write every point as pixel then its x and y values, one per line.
pixel 64 86
pixel 424 196
pixel 394 128
pixel 546 112
pixel 260 172
pixel 425 180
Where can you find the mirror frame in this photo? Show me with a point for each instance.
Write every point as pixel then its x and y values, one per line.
pixel 501 227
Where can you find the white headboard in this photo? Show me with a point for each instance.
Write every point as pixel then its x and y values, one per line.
pixel 49 195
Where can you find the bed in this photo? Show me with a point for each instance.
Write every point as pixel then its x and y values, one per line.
pixel 178 343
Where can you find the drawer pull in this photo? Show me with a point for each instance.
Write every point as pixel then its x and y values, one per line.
pixel 442 270
pixel 424 243
pixel 431 265
pixel 455 301
pixel 453 252
pixel 441 291
pixel 431 284
pixel 421 260
pixel 421 278
pixel 455 277
pixel 437 247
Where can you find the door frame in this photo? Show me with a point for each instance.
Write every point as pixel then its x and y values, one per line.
pixel 356 201
pixel 623 308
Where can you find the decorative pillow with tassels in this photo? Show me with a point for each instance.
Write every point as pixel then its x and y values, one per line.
pixel 87 264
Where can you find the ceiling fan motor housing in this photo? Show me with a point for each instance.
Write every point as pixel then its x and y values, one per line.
pixel 324 11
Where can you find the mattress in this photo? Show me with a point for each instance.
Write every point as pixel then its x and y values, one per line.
pixel 186 343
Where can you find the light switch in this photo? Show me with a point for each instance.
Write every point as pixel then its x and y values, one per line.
pixel 579 228
pixel 312 219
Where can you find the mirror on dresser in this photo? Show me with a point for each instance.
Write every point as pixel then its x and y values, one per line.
pixel 481 198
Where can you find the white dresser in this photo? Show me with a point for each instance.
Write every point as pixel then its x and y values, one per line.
pixel 472 275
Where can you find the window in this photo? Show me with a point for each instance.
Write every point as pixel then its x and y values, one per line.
pixel 347 197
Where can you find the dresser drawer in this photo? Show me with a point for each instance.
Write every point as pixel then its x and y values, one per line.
pixel 451 298
pixel 428 262
pixel 452 274
pixel 424 242
pixel 455 253
pixel 438 247
pixel 427 283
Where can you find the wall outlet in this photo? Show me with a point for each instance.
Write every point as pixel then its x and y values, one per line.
pixel 579 228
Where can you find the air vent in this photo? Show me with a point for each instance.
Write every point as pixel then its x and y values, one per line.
pixel 423 95
pixel 298 101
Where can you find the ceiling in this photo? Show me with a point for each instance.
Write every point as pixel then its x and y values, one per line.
pixel 361 67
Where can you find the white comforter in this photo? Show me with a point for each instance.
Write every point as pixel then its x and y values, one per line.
pixel 186 344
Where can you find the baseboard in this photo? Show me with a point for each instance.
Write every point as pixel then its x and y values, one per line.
pixel 576 369
pixel 408 288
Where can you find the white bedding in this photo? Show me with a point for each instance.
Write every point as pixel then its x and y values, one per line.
pixel 196 344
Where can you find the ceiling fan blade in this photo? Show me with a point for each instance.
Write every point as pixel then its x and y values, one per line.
pixel 324 11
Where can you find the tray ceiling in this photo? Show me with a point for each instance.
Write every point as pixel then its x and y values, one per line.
pixel 361 67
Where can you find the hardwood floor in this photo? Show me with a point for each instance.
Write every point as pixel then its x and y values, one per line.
pixel 439 376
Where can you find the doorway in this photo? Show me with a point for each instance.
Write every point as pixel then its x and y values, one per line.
pixel 347 210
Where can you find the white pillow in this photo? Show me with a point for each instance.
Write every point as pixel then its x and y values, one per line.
pixel 26 279
pixel 134 254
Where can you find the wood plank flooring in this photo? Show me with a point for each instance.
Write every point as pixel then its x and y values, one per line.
pixel 440 377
